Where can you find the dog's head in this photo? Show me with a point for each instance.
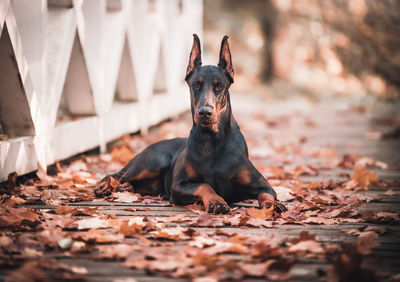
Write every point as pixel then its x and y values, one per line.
pixel 209 85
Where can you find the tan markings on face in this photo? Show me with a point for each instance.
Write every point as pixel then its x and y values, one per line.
pixel 200 80
pixel 243 177
pixel 223 99
pixel 218 108
pixel 192 101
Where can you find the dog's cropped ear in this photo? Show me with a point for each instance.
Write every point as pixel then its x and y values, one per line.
pixel 195 57
pixel 225 60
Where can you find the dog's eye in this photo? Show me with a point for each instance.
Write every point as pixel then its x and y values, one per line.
pixel 219 87
pixel 196 86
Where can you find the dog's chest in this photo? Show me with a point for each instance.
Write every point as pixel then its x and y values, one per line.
pixel 217 164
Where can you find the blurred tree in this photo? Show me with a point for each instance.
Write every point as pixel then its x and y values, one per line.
pixel 239 12
pixel 363 34
pixel 349 46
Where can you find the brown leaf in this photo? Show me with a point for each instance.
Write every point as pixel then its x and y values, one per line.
pixel 99 236
pixel 390 192
pixel 264 213
pixel 122 154
pixel 173 234
pixel 304 170
pixel 265 250
pixel 65 209
pixel 18 217
pixel 12 180
pixel 362 179
pixel 135 226
pixel 94 222
pixel 206 220
pixel 306 246
pixel 370 162
pixel 126 197
pixel 258 269
pixel 283 194
pixel 116 251
pixel 366 243
pixel 29 271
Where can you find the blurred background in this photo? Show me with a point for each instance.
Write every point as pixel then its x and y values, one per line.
pixel 105 68
pixel 323 49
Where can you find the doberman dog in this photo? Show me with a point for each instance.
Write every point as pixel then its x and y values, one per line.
pixel 212 164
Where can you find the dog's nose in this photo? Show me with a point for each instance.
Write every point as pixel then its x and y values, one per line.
pixel 205 112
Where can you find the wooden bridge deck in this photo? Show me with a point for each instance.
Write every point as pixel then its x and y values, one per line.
pixel 71 243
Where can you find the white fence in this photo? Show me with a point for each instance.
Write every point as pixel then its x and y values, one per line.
pixel 114 66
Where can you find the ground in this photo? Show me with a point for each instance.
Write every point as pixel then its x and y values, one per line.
pixel 334 165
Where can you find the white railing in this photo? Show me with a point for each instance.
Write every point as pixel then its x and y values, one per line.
pixel 114 66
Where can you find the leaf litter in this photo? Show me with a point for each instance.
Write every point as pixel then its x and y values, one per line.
pixel 55 214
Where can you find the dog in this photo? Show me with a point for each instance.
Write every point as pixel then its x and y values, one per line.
pixel 212 164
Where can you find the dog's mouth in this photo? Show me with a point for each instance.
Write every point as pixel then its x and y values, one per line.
pixel 206 123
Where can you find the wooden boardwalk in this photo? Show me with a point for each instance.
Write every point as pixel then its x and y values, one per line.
pixel 321 134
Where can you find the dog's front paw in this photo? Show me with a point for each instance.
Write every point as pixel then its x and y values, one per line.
pixel 216 205
pixel 266 200
pixel 278 207
pixel 106 187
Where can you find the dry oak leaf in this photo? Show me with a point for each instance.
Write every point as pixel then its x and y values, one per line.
pixel 135 226
pixel 121 154
pixel 202 242
pixel 63 221
pixel 366 243
pixel 5 241
pixel 306 246
pixel 390 192
pixel 362 179
pixel 258 222
pixel 99 236
pixel 257 269
pixel 18 216
pixel 304 170
pixel 65 209
pixel 264 213
pixel 12 201
pixel 206 220
pixel 126 197
pixel 283 194
pixel 226 247
pixel 370 162
pixel 173 234
pixel 116 251
pixel 94 222
pixel 29 271
pixel 263 250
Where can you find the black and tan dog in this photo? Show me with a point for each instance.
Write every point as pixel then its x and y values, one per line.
pixel 212 165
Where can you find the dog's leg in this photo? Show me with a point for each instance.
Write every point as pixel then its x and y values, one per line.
pixel 252 185
pixel 188 187
pixel 144 171
pixel 188 193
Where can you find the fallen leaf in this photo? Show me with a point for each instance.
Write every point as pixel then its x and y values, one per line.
pixel 283 194
pixel 264 213
pixel 29 271
pixel 94 222
pixel 306 246
pixel 118 251
pixel 126 197
pixel 362 179
pixel 206 220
